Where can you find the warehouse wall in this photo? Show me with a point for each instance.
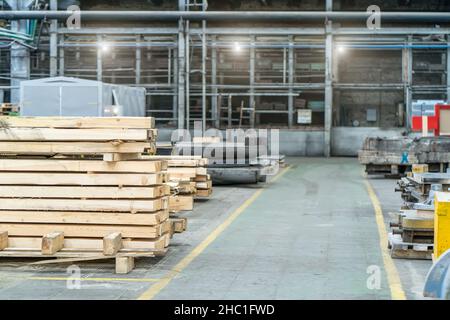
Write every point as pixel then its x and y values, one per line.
pixel 346 142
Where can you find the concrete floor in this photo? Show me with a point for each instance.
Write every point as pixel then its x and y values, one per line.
pixel 311 234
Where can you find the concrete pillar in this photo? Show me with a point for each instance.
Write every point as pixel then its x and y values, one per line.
pixel 20 55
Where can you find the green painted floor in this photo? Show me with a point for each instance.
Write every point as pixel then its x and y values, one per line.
pixel 310 235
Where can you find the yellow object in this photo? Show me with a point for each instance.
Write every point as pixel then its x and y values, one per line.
pixel 419 168
pixel 441 223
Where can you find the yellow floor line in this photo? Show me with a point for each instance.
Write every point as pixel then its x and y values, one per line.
pixel 395 284
pixel 156 288
pixel 94 279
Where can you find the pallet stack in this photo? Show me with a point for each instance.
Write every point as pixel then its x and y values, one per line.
pixel 78 189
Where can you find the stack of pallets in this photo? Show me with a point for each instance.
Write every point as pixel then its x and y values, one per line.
pixel 78 188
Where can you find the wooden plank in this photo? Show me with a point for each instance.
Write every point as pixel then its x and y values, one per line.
pixel 51 134
pixel 84 218
pixel 203 192
pixel 80 179
pixel 124 265
pixel 64 165
pixel 78 122
pixel 94 148
pixel 90 244
pixel 89 231
pixel 52 243
pixel 181 203
pixel 132 206
pixel 115 157
pixel 3 240
pixel 204 185
pixel 178 161
pixel 73 192
pixel 179 225
pixel 112 243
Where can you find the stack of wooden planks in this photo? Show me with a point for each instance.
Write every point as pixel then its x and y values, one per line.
pixel 188 178
pixel 69 191
pixel 114 139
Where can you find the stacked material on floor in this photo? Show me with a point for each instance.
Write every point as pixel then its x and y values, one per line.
pixel 60 198
pixel 190 173
pixel 396 155
pixel 9 109
pixel 412 235
pixel 415 188
pixel 231 162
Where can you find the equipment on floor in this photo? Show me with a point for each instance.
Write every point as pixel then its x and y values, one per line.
pixel 232 162
pixel 395 156
pixel 437 283
pixel 413 234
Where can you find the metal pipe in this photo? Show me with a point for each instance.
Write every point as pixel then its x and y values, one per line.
pixel 283 16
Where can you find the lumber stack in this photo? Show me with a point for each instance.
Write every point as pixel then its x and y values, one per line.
pixel 69 191
pixel 187 178
pixel 113 139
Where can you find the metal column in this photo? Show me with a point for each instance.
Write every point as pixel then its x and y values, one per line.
pixel 448 69
pixel 252 79
pixel 214 97
pixel 407 58
pixel 138 60
pixel 328 90
pixel 20 55
pixel 175 83
pixel 181 76
pixel 328 82
pixel 291 68
pixel 188 76
pixel 54 41
pixel 99 58
pixel 204 57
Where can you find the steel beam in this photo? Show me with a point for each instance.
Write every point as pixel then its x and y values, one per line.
pixel 280 16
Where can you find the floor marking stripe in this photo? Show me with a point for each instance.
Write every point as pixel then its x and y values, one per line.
pixel 394 281
pixel 156 288
pixel 94 279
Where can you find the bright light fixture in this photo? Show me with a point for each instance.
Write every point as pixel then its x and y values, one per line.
pixel 237 47
pixel 104 46
pixel 341 49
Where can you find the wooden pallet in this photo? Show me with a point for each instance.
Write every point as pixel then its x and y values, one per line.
pixel 404 250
